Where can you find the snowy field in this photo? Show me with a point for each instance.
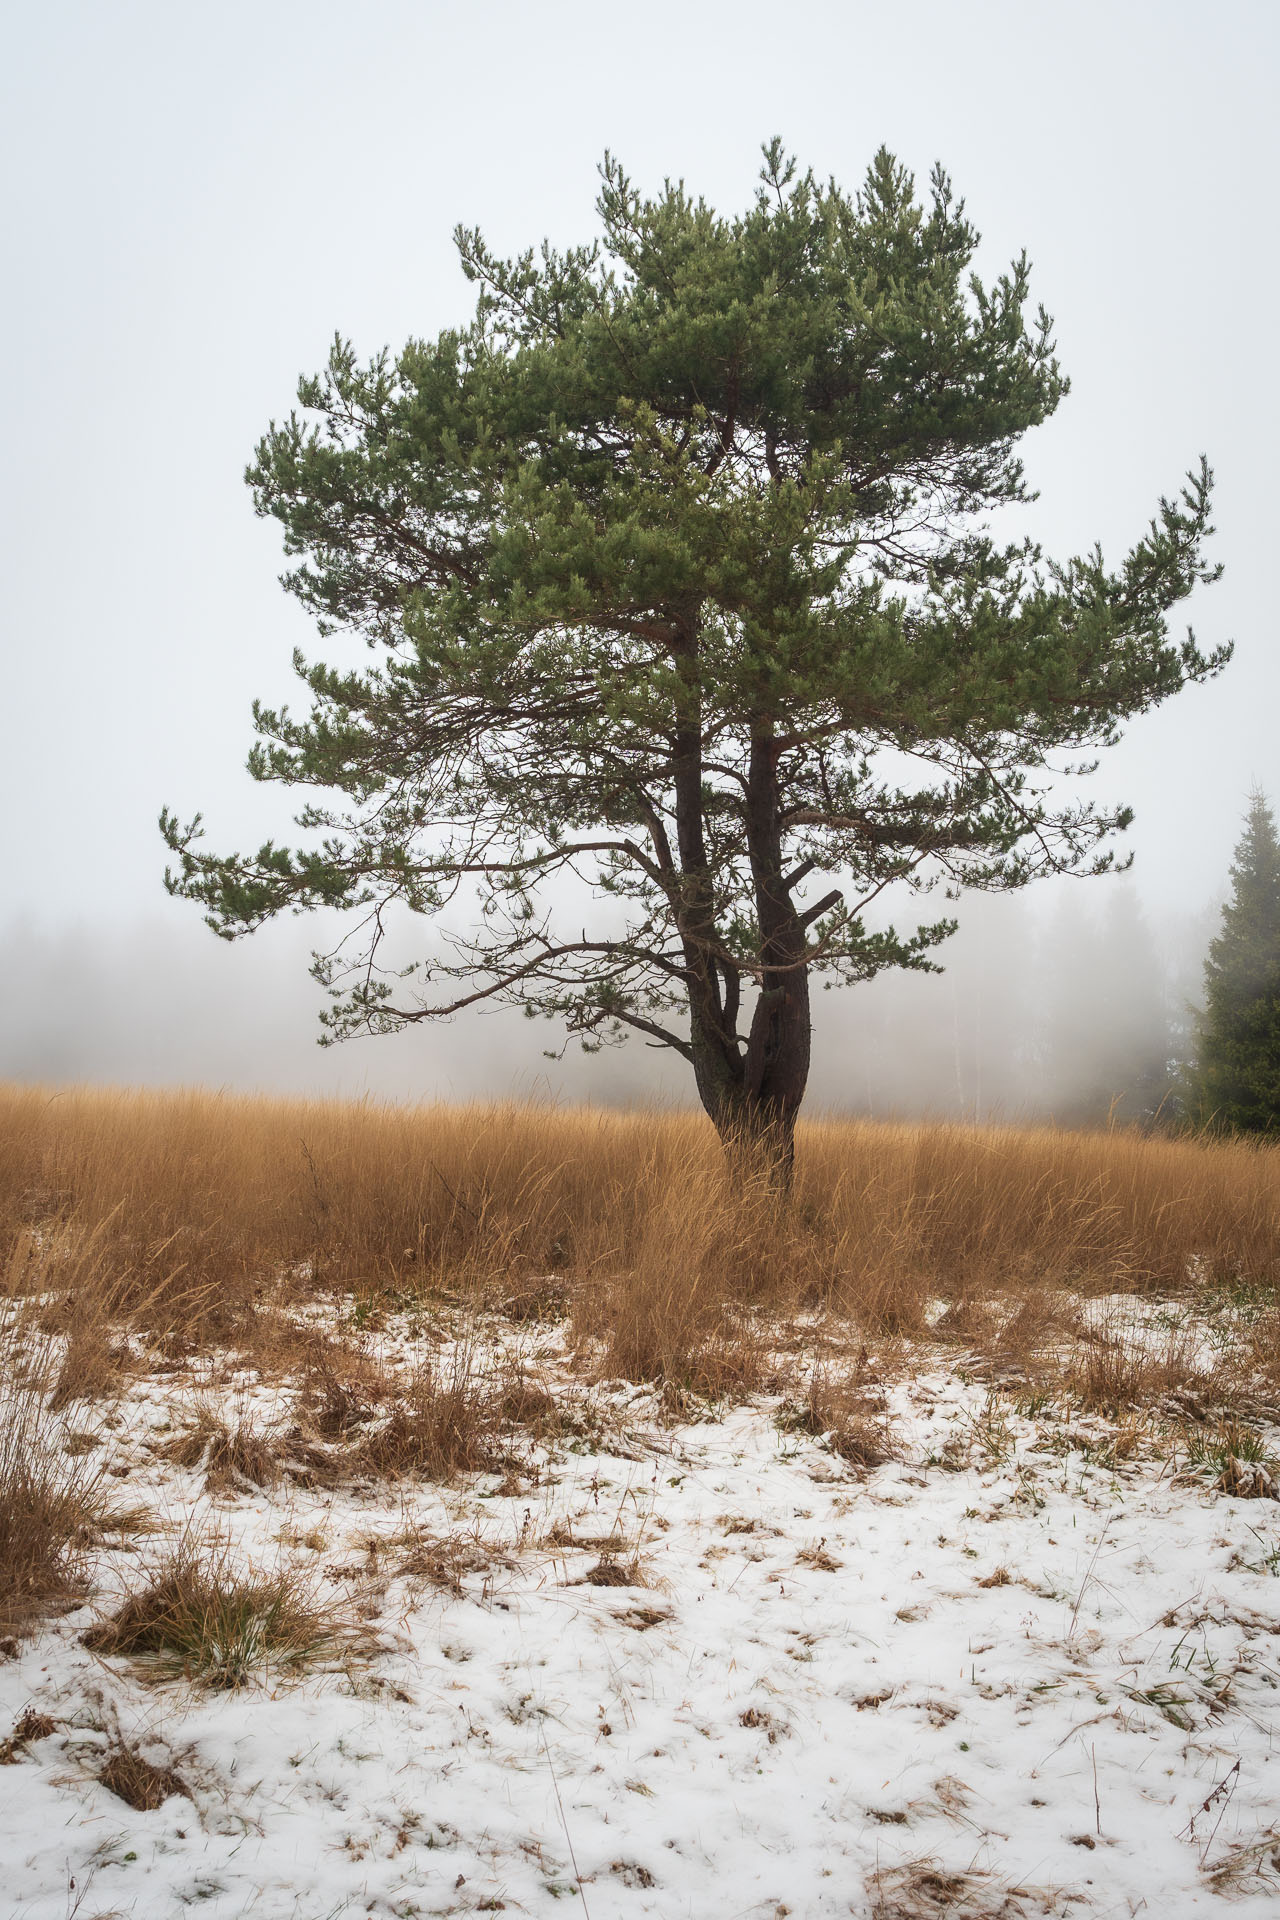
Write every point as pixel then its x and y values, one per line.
pixel 705 1669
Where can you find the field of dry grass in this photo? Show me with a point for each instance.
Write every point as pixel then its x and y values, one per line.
pixel 187 1208
pixel 141 1231
pixel 156 1222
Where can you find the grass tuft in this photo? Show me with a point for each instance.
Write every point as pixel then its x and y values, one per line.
pixel 442 1560
pixel 340 1388
pixel 139 1782
pixel 29 1726
pixel 920 1890
pixel 232 1458
pixel 609 1571
pixel 1235 1456
pixel 95 1366
pixel 441 1424
pixel 849 1413
pixel 201 1620
pixel 50 1510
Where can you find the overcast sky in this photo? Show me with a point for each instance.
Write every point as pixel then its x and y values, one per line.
pixel 197 196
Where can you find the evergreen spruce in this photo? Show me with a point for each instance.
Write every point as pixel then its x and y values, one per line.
pixel 1238 1080
pixel 678 564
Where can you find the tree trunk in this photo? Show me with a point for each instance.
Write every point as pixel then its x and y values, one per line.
pixel 759 1140
pixel 713 992
pixel 776 1069
pixel 752 1099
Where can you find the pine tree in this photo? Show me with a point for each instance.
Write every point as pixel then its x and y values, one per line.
pixel 679 565
pixel 1238 1078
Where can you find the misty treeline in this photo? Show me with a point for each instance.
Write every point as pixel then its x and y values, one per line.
pixel 1081 1012
pixel 1077 1009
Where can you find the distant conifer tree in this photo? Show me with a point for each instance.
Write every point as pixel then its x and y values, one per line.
pixel 1238 1078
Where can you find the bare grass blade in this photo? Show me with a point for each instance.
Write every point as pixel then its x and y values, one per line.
pixel 51 1509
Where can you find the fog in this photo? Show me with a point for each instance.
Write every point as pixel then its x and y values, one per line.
pixel 1067 1006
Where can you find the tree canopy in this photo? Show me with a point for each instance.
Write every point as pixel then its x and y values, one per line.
pixel 1238 1078
pixel 678 570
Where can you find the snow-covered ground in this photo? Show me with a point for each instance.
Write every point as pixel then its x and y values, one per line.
pixel 995 1677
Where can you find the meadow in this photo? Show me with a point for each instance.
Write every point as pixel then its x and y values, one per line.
pixel 303 1400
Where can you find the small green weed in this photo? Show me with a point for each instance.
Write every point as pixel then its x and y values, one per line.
pixel 1170 1703
pixel 993 1437
pixel 1236 1457
pixel 1032 1402
pixel 1269 1562
pixel 1245 1300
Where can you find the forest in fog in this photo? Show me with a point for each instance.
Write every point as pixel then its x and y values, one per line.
pixel 1070 1009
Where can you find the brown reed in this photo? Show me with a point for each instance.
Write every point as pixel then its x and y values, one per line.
pixel 192 1208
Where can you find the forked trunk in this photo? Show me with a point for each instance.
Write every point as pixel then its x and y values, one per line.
pixel 753 1097
pixel 753 1100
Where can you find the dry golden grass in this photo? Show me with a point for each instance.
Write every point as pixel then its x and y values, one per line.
pixel 29 1726
pixel 442 1422
pixel 443 1560
pixel 667 1307
pixel 95 1366
pixel 609 1571
pixel 1113 1375
pixel 51 1508
pixel 201 1619
pixel 189 1218
pixel 195 1191
pixel 1264 1346
pixel 139 1782
pixel 232 1458
pixel 920 1890
pixel 850 1409
pixel 390 1265
pixel 340 1388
